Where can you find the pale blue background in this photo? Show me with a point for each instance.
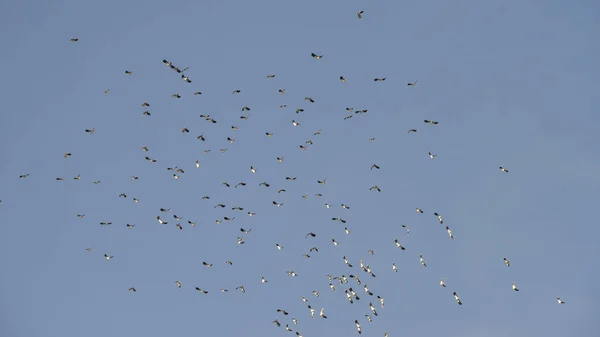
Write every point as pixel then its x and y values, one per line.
pixel 512 83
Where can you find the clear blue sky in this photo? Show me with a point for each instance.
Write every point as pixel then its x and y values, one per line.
pixel 512 83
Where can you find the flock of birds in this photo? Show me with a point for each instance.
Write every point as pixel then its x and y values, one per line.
pixel 350 283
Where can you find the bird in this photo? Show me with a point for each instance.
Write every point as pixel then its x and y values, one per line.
pixel 431 122
pixel 560 301
pixel 442 283
pixel 201 290
pixel 411 84
pixel 407 229
pixel 504 169
pixel 312 311
pixel 449 232
pixel 375 166
pixel 342 79
pixel 457 298
pixel 506 262
pixel 108 257
pixel 431 155
pixel 132 289
pixel 322 313
pixel 373 309
pixel 419 210
pixel 422 261
pixel 75 39
pixel 316 57
pixel 440 218
pixel 398 244
pixel 358 329
pixel 375 187
pixel 359 14
pixel 379 79
pixel 412 130
pixel 394 267
pixel 514 286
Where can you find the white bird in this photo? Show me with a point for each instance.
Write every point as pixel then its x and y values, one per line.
pixel 381 300
pixel 398 244
pixel 312 311
pixel 263 280
pixel 394 267
pixel 252 169
pixel 407 229
pixel 278 246
pixel 107 256
pixel 348 296
pixel 178 284
pixel 560 301
pixel 514 286
pixel 373 309
pixel 422 261
pixel 506 262
pixel 419 210
pixel 440 218
pixel 457 298
pixel 322 313
pixel 442 283
pixel 432 156
pixel 357 326
pixel 503 169
pixel 449 232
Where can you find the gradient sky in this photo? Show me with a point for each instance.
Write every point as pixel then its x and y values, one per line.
pixel 512 83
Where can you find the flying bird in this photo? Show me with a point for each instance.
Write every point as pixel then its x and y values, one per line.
pixel 359 14
pixel 457 298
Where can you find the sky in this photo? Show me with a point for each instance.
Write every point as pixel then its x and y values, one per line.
pixel 511 83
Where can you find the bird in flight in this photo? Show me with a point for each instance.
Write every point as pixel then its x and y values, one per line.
pixel 359 14
pixel 457 298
